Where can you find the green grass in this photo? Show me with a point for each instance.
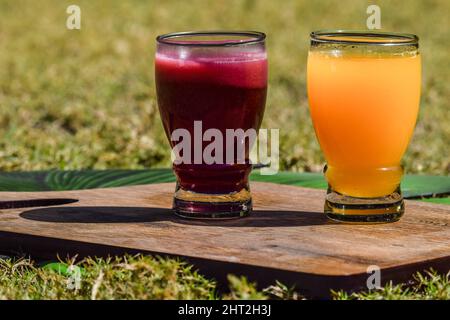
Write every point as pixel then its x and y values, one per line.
pixel 86 99
pixel 144 277
pixel 424 286
pixel 127 278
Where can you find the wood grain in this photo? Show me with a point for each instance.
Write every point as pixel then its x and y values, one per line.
pixel 287 237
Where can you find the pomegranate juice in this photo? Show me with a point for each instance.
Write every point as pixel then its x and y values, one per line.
pixel 223 91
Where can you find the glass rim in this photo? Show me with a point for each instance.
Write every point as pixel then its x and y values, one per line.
pixel 253 37
pixel 382 38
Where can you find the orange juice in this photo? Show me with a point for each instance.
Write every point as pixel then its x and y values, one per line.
pixel 364 108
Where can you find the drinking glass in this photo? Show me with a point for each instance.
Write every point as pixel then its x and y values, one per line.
pixel 209 84
pixel 364 92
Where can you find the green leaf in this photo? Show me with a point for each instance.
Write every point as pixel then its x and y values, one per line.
pixel 425 185
pixel 23 181
pixel 58 267
pixel 90 179
pixel 413 186
pixel 62 268
pixel 308 180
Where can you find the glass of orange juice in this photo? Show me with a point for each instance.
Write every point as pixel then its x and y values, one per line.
pixel 364 92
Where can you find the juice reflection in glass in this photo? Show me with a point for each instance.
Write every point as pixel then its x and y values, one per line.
pixel 364 92
pixel 220 79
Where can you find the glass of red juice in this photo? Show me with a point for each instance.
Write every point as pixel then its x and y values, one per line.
pixel 212 82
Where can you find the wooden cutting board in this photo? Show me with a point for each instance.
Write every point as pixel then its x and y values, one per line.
pixel 287 238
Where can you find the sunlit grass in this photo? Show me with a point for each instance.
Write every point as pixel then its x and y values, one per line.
pixel 86 99
pixel 424 286
pixel 144 277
